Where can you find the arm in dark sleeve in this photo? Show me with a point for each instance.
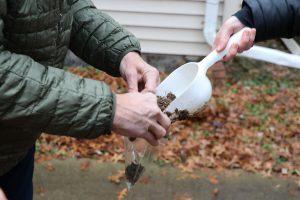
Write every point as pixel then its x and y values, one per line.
pixel 98 39
pixel 271 18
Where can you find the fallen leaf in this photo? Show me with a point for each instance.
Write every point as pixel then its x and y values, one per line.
pixel 122 194
pixel 277 186
pixel 213 180
pixel 188 176
pixel 182 197
pixel 117 177
pixel 146 180
pixel 117 158
pixel 41 191
pixel 216 192
pixel 85 166
pixel 50 167
pixel 164 173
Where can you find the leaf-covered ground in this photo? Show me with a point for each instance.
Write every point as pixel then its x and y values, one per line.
pixel 252 123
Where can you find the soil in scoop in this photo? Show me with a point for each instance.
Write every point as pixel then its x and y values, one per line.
pixel 164 102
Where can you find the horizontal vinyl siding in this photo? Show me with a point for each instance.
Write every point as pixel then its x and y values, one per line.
pixel 175 48
pixel 164 27
pixel 167 34
pixel 174 21
pixel 150 6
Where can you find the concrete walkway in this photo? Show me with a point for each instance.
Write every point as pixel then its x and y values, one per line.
pixel 65 180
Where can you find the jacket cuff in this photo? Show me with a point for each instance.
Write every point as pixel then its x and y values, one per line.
pixel 257 13
pixel 245 16
pixel 105 117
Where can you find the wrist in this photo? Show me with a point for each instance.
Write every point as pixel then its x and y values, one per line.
pixel 127 55
pixel 130 60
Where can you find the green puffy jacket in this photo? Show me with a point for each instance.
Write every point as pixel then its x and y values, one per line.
pixel 35 95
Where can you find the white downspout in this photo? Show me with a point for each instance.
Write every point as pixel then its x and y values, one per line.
pixel 210 20
pixel 256 52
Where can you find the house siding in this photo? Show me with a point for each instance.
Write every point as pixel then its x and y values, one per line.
pixel 165 26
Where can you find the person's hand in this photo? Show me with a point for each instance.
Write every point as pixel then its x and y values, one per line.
pixel 231 26
pixel 2 195
pixel 138 115
pixel 139 75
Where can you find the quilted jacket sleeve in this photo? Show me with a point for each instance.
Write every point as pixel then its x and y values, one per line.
pixel 98 39
pixel 51 100
pixel 273 18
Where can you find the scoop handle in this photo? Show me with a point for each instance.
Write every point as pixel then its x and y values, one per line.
pixel 215 56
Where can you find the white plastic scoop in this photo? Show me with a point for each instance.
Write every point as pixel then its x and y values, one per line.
pixel 189 82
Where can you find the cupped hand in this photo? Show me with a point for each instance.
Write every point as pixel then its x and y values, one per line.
pixel 231 26
pixel 138 115
pixel 139 75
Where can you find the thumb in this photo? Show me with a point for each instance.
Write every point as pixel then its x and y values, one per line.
pixel 222 38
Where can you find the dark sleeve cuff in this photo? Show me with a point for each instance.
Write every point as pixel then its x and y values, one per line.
pixel 245 16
